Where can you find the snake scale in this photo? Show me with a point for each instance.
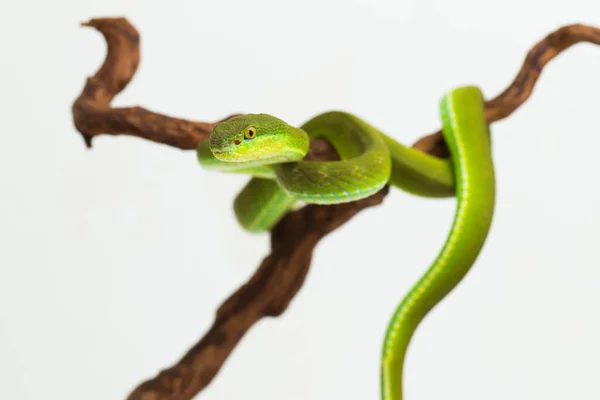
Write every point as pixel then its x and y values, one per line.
pixel 272 152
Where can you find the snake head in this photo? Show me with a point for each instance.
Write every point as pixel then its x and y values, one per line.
pixel 257 137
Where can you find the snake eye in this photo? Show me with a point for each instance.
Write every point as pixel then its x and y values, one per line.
pixel 250 132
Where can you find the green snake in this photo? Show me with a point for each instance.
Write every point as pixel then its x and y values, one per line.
pixel 272 152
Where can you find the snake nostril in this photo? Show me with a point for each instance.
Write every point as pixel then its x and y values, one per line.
pixel 237 142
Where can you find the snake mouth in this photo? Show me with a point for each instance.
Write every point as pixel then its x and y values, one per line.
pixel 224 155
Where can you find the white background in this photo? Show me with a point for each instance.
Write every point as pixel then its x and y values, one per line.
pixel 114 260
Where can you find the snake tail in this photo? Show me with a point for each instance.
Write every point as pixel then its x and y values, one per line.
pixel 466 133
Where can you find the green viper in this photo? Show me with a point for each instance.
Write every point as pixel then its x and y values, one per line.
pixel 272 151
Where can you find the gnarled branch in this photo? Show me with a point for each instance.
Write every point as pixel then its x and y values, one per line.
pixel 294 238
pixel 522 86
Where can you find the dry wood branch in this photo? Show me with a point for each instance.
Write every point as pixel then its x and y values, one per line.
pixel 522 86
pixel 92 113
pixel 293 240
pixel 266 294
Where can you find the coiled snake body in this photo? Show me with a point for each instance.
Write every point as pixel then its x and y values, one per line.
pixel 272 151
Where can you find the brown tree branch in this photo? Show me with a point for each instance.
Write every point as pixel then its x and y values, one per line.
pixel 293 240
pixel 266 294
pixel 522 86
pixel 92 113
